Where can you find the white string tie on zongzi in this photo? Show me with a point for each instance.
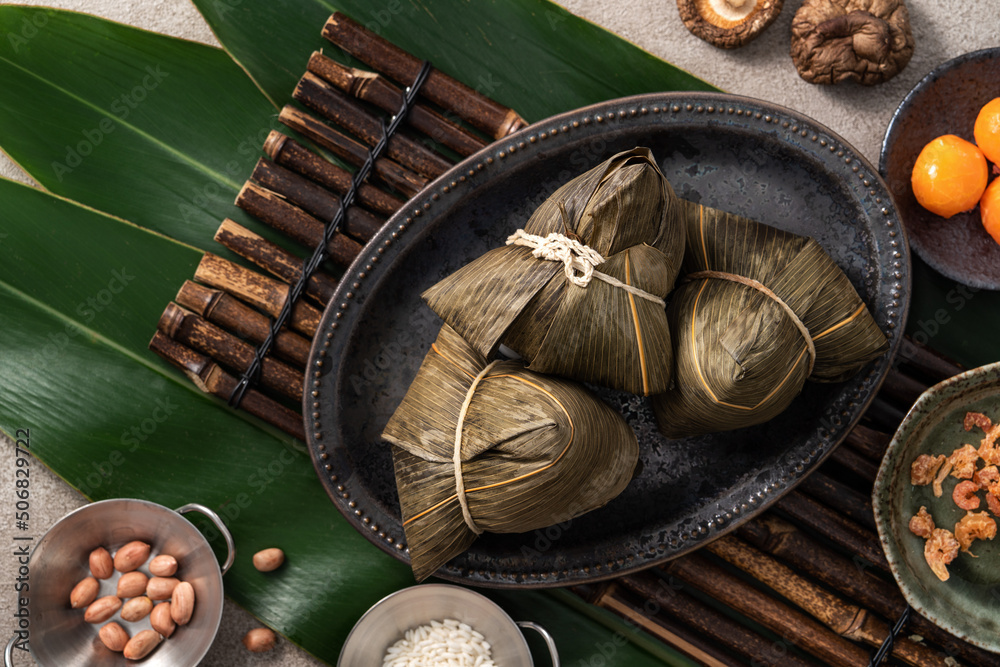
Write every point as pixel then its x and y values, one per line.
pixel 578 260
pixel 457 454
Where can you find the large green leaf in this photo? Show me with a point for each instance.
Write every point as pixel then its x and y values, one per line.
pixel 531 55
pixel 157 130
pixel 79 298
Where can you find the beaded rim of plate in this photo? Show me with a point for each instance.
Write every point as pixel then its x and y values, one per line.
pixel 796 128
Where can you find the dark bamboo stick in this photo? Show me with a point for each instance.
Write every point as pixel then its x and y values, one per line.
pixel 929 362
pixel 233 315
pixel 884 414
pixel 852 504
pixel 202 336
pixel 295 223
pixel 289 153
pixel 265 294
pixel 851 537
pixel 859 465
pixel 719 629
pixel 868 442
pixel 791 625
pixel 351 151
pixel 315 200
pixel 274 259
pixel 334 105
pixel 211 379
pixel 847 620
pixel 851 578
pixel 381 55
pixel 375 89
pixel 901 387
pixel 674 634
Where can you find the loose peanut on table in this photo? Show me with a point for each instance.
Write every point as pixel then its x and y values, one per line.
pixel 268 559
pixel 259 640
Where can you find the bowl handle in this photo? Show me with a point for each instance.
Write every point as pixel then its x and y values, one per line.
pixel 551 643
pixel 214 518
pixel 8 654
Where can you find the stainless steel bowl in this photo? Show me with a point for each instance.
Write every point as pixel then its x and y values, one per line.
pixel 386 622
pixel 59 637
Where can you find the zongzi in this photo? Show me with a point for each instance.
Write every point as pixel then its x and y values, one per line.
pixel 494 447
pixel 579 291
pixel 758 312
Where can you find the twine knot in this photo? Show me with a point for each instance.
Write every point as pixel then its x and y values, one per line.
pixel 578 259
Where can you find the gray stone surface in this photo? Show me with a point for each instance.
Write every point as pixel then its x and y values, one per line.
pixel 763 69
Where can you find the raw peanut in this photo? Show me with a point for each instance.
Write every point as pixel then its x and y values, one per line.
pixel 114 637
pixel 132 584
pixel 268 559
pixel 259 640
pixel 163 566
pixel 160 619
pixel 137 609
pixel 182 603
pixel 161 588
pixel 84 593
pixel 142 644
pixel 131 556
pixel 102 609
pixel 100 563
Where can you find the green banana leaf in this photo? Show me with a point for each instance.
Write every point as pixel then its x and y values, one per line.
pixel 160 131
pixel 531 55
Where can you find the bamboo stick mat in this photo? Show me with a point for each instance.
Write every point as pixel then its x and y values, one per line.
pixel 805 583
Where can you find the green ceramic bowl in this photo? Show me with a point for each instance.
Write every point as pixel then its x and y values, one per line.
pixel 968 603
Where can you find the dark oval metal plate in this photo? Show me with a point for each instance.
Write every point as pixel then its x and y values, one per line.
pixel 946 101
pixel 734 153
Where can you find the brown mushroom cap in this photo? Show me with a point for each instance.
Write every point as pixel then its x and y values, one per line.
pixel 869 41
pixel 728 23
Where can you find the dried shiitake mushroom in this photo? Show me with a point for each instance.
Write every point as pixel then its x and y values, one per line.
pixel 728 23
pixel 869 41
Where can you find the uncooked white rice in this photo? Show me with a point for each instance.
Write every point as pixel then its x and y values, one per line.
pixel 447 643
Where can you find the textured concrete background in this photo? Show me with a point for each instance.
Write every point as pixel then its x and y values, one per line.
pixel 942 29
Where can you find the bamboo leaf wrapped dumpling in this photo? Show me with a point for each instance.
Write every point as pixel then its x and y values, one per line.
pixel 494 447
pixel 759 311
pixel 603 324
